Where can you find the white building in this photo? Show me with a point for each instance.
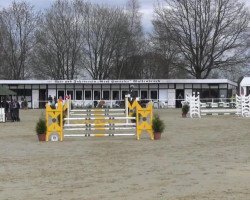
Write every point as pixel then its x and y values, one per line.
pixel 36 92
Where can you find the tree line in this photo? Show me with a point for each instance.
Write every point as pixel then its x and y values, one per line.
pixel 78 39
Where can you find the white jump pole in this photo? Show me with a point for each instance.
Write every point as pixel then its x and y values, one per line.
pixel 99 135
pixel 69 108
pixel 96 125
pixel 126 106
pixel 105 128
pixel 98 118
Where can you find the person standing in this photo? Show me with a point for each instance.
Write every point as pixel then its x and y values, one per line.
pixel 12 111
pixel 17 107
pixel 50 99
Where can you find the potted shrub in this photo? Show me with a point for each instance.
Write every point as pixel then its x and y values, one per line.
pixel 185 110
pixel 41 129
pixel 158 127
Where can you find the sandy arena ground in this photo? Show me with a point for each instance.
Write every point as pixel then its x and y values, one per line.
pixel 196 159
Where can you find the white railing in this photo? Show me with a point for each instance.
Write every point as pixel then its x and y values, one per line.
pixel 157 103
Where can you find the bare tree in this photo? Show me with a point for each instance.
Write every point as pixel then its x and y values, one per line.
pixel 129 58
pixel 17 26
pixel 104 31
pixel 162 59
pixel 58 50
pixel 208 33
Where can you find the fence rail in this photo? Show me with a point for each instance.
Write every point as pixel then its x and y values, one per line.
pixel 157 103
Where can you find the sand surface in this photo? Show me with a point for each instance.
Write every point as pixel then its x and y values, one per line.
pixel 196 159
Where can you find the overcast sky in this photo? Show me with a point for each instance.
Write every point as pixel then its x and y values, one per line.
pixel 147 7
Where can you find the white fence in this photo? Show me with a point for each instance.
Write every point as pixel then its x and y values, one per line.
pixel 2 115
pixel 240 107
pixel 157 103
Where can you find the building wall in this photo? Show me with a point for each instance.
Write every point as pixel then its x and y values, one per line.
pixel 165 92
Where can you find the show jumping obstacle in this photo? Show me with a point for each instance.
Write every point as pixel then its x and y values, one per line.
pixel 87 120
pixel 242 107
pixel 2 115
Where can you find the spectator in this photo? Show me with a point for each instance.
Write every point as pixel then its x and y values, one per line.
pixel 101 104
pixel 50 99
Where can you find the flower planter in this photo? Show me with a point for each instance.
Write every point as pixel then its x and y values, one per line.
pixel 42 137
pixel 157 136
pixel 184 115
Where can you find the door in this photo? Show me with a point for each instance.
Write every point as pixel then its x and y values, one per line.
pixel 179 96
pixel 35 98
pixel 171 98
pixel 42 98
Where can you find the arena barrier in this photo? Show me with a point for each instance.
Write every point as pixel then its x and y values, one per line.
pixel 242 107
pixel 63 119
pixel 2 115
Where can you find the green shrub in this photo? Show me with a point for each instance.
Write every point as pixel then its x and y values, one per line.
pixel 157 124
pixel 41 126
pixel 185 108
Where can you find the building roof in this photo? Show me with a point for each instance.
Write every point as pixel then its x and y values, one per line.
pixel 135 81
pixel 245 82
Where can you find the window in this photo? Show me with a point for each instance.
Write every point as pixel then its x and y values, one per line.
pixel 97 95
pixel 70 93
pixel 106 95
pixel 78 94
pixel 88 95
pixel 153 94
pixel 196 86
pixel 115 95
pixel 179 86
pixel 144 94
pixel 60 93
pixel 124 93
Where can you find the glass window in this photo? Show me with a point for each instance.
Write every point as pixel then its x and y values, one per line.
pixel 96 86
pixel 97 95
pixel 204 94
pixel 78 94
pixel 153 85
pixel 164 86
pixel 124 93
pixel 78 86
pixel 179 86
pixel 153 94
pixel 125 86
pixel 214 93
pixel 188 86
pixel 50 86
pixel 88 95
pixel 223 86
pixel 171 86
pixel 88 86
pixel 41 86
pixel 61 86
pixel 70 93
pixel 69 86
pixel 106 95
pixel 106 86
pixel 223 93
pixel 13 86
pixel 60 93
pixel 144 94
pixel 115 95
pixel 145 86
pixel 214 86
pixel 115 86
pixel 205 86
pixel 136 93
pixel 197 85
